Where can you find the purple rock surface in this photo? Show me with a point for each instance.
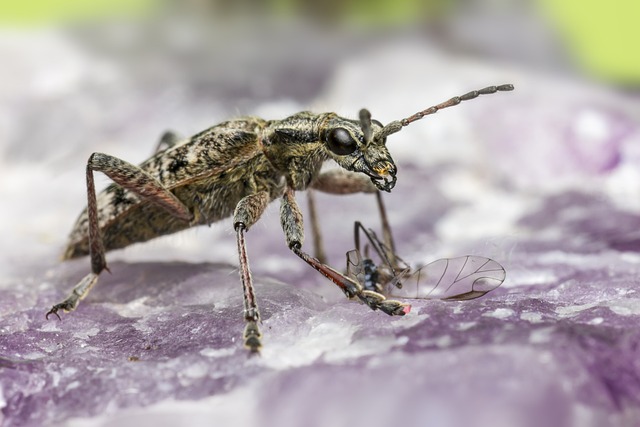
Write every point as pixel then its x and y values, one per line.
pixel 545 180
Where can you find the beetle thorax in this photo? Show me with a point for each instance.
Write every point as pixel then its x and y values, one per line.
pixel 294 148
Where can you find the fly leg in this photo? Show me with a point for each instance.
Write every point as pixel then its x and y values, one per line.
pixel 291 221
pixel 133 179
pixel 247 212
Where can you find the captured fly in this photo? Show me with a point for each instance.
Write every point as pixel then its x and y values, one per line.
pixel 461 278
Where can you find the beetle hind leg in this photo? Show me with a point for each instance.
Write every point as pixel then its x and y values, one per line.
pixel 131 178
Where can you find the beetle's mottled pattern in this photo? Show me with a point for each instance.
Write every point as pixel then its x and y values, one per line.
pixel 212 171
pixel 197 171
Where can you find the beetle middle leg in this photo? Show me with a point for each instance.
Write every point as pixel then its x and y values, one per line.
pixel 291 221
pixel 247 212
pixel 133 179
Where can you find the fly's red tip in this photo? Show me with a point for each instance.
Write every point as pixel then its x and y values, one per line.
pixel 406 309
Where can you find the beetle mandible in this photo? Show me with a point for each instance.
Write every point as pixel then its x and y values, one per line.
pixel 237 168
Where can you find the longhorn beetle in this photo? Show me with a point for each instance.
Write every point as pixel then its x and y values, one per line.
pixel 237 168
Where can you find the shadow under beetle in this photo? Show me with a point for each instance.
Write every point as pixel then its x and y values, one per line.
pixel 237 168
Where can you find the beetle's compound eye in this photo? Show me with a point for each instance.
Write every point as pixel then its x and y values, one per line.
pixel 341 142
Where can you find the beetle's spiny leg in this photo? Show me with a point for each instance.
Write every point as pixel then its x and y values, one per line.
pixel 79 292
pixel 338 181
pixel 350 287
pixel 291 219
pixel 251 336
pixel 318 245
pixel 132 178
pixel 353 289
pixel 247 212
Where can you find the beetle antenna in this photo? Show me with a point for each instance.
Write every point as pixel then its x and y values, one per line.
pixel 397 125
pixel 365 124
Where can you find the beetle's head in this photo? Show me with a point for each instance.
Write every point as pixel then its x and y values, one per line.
pixel 359 146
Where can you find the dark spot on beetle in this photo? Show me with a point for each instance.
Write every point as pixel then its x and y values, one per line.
pixel 177 164
pixel 119 197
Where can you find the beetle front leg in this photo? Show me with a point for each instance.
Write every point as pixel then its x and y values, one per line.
pixel 339 182
pixel 291 221
pixel 247 212
pixel 131 178
pixel 318 245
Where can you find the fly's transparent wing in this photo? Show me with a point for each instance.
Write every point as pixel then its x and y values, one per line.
pixel 355 266
pixel 458 279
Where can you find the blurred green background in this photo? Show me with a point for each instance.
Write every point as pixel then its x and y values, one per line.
pixel 598 38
